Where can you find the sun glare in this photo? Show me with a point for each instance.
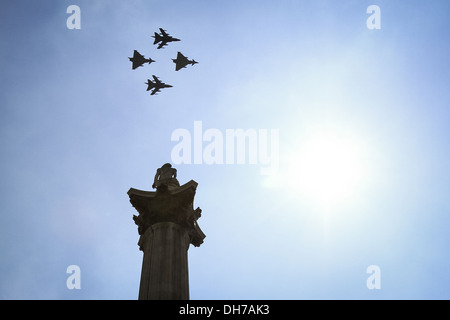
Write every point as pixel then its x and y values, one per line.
pixel 327 168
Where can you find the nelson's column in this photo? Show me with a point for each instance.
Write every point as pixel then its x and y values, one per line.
pixel 167 225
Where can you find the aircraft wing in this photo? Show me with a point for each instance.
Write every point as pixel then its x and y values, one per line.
pixel 136 64
pixel 137 55
pixel 180 56
pixel 162 44
pixel 156 79
pixel 163 32
pixel 155 91
pixel 179 65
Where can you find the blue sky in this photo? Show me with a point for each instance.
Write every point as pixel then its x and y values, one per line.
pixel 364 152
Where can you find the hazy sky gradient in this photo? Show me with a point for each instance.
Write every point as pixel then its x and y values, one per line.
pixel 78 129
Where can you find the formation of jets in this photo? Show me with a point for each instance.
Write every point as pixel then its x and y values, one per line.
pixel 138 60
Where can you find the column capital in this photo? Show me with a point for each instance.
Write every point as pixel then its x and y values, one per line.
pixel 173 204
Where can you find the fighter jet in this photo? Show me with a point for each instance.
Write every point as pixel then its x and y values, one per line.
pixel 164 38
pixel 182 61
pixel 156 85
pixel 139 60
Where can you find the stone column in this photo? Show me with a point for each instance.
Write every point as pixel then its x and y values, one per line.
pixel 167 225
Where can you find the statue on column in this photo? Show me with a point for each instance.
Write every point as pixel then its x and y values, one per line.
pixel 165 178
pixel 170 203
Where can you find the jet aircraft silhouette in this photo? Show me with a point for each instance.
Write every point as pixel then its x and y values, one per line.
pixel 181 61
pixel 156 85
pixel 164 38
pixel 139 60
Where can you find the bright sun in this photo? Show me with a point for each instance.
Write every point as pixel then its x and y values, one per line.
pixel 327 168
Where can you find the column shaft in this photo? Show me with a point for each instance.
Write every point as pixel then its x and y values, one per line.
pixel 165 263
